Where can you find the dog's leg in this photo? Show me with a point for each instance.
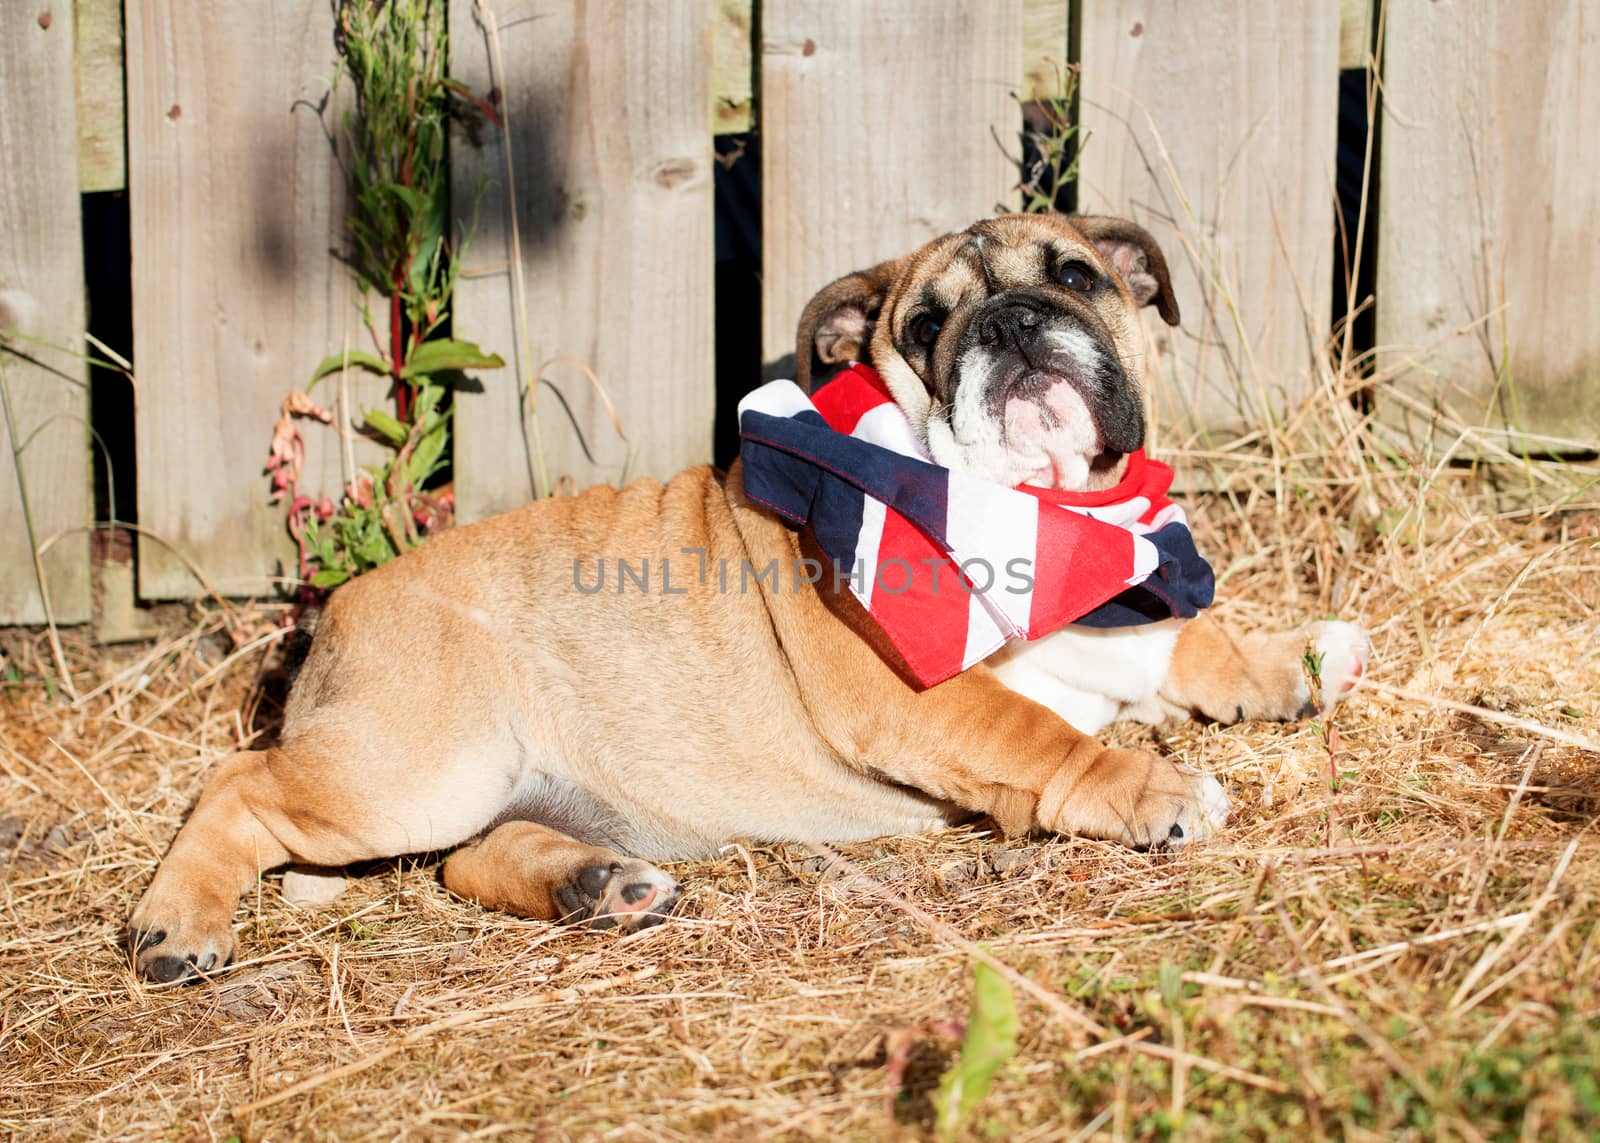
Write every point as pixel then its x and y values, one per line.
pixel 975 742
pixel 972 741
pixel 183 924
pixel 531 870
pixel 1036 770
pixel 309 800
pixel 1231 677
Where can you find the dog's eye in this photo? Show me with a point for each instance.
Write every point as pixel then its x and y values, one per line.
pixel 925 329
pixel 1076 277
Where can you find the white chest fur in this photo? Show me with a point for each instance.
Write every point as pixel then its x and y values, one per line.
pixel 1092 676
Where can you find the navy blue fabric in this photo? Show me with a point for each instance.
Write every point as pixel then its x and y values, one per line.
pixel 1181 585
pixel 805 470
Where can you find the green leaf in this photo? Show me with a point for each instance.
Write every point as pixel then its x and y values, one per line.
pixel 991 1040
pixel 356 357
pixel 447 353
pixel 385 426
pixel 425 458
pixel 433 222
pixel 375 550
pixel 329 577
pixel 405 194
pixel 428 398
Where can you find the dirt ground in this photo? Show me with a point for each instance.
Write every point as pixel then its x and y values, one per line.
pixel 1397 936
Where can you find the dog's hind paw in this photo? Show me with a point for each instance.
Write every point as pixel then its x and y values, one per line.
pixel 626 894
pixel 172 944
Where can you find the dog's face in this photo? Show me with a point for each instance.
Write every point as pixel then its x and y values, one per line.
pixel 1013 346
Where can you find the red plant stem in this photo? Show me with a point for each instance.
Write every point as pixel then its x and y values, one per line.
pixel 402 391
pixel 297 530
pixel 402 273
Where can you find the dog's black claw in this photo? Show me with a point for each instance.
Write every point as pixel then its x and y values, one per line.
pixel 147 939
pixel 625 895
pixel 572 904
pixel 166 969
pixel 1175 831
pixel 594 879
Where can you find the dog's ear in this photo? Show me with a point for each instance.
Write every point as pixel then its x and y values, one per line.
pixel 837 324
pixel 1132 252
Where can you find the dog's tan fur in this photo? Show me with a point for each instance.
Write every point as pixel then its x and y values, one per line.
pixel 655 726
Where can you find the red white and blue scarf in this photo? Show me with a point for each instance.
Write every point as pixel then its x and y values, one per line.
pixel 951 566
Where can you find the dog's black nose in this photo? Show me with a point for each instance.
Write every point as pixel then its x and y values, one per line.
pixel 1010 325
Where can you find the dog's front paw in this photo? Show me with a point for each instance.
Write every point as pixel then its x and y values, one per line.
pixel 1343 651
pixel 626 893
pixel 1200 811
pixel 179 940
pixel 1134 797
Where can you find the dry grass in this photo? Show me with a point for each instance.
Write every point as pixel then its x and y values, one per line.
pixel 1399 938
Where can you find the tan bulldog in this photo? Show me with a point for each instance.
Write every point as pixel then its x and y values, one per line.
pixel 477 695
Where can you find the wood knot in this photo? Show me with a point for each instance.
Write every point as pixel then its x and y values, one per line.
pixel 17 311
pixel 673 173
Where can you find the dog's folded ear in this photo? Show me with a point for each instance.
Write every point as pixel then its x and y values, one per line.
pixel 836 325
pixel 1134 255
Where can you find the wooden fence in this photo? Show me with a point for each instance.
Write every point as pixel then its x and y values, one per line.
pixel 881 124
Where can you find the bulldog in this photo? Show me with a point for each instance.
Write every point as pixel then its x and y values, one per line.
pixel 478 696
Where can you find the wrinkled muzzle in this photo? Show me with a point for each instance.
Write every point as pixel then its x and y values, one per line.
pixel 1039 399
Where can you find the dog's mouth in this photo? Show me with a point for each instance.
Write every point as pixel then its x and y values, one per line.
pixel 1036 396
pixel 1063 425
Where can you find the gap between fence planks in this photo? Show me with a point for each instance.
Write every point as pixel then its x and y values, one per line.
pixel 41 297
pixel 879 132
pixel 609 105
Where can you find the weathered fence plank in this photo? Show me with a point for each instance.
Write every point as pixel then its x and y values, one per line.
pixel 609 109
pixel 1215 126
pixel 41 296
pixel 1487 279
pixel 236 203
pixel 882 126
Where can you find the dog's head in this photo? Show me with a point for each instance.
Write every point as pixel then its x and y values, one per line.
pixel 1012 346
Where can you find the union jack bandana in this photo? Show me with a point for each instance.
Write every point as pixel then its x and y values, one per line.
pixel 951 566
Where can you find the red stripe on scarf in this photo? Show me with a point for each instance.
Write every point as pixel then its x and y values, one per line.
pixel 938 616
pixel 1143 477
pixel 1064 564
pixel 850 396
